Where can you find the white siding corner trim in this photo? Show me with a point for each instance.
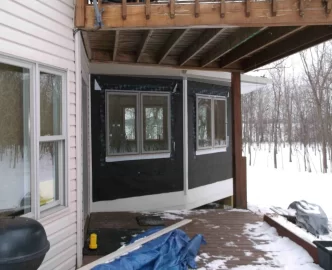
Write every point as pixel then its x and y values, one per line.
pixel 169 201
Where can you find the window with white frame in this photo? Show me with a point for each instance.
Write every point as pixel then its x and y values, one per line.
pixel 32 138
pixel 137 125
pixel 211 124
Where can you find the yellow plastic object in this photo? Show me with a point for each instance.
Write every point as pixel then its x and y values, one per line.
pixel 93 241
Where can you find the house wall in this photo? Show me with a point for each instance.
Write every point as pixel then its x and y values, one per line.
pixel 157 184
pixel 213 167
pixel 42 31
pixel 125 179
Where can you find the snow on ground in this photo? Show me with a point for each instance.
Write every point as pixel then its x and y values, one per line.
pixel 289 182
pixel 281 252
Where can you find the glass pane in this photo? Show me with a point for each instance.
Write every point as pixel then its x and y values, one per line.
pixel 50 104
pixel 51 171
pixel 122 115
pixel 204 123
pixel 219 122
pixel 155 123
pixel 14 140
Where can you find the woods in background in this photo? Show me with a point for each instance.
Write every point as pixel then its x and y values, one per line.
pixel 295 109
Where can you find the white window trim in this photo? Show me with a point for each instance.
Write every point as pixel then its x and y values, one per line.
pixel 140 154
pixel 34 121
pixel 213 148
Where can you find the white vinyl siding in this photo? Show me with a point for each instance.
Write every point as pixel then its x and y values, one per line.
pixel 42 31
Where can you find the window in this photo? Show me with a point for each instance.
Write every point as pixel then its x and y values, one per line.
pixel 211 121
pixel 137 125
pixel 31 162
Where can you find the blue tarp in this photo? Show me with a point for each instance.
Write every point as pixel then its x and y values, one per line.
pixel 171 251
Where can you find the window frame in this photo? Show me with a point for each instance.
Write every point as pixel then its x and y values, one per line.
pixel 140 154
pixel 38 212
pixel 119 93
pixel 213 148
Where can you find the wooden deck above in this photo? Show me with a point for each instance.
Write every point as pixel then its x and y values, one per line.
pixel 219 35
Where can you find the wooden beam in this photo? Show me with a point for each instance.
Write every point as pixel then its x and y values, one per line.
pixel 116 44
pixel 204 39
pixel 171 42
pixel 257 43
pixel 124 9
pixel 237 141
pixel 147 9
pixel 288 15
pixel 145 41
pixel 86 42
pixel 235 39
pixel 310 36
pixel 80 13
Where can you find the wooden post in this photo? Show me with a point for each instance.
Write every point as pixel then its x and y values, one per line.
pixel 80 13
pixel 172 8
pixel 124 9
pixel 238 179
pixel 197 8
pixel 147 9
pixel 222 8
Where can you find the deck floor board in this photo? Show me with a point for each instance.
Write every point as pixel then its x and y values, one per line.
pixel 223 231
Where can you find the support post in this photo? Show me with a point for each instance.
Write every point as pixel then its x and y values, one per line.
pixel 239 178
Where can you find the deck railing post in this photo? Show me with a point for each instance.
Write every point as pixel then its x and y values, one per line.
pixel 172 8
pixel 239 178
pixel 80 13
pixel 124 9
pixel 147 9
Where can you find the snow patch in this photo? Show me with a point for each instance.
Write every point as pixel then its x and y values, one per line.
pixel 230 244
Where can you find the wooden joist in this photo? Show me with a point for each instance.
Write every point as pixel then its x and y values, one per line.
pixel 209 15
pixel 145 41
pixel 308 37
pixel 87 45
pixel 257 43
pixel 205 39
pixel 171 43
pixel 237 38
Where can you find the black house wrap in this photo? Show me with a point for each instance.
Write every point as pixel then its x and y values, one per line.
pixel 209 168
pixel 115 180
pixel 124 179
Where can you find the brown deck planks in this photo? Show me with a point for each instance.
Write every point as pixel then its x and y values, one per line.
pixel 217 226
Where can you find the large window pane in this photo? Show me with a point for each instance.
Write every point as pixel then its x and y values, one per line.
pixel 14 140
pixel 155 123
pixel 50 104
pixel 122 130
pixel 219 122
pixel 204 123
pixel 51 171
